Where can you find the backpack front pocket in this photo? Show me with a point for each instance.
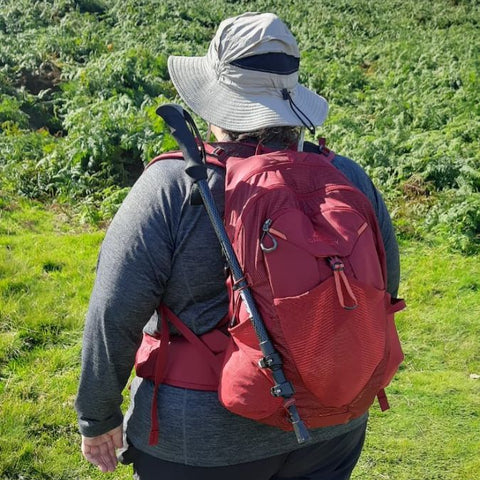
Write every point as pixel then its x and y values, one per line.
pixel 335 350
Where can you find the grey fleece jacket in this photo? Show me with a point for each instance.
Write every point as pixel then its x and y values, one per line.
pixel 159 248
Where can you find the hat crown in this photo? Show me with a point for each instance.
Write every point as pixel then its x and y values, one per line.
pixel 249 77
pixel 252 34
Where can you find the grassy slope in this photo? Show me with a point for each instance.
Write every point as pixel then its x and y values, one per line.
pixel 432 430
pixel 47 270
pixel 46 273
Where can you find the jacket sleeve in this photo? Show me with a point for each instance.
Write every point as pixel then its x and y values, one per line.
pixel 130 281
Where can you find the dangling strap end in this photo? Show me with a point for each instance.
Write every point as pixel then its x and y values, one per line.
pixel 341 279
pixel 383 400
pixel 153 438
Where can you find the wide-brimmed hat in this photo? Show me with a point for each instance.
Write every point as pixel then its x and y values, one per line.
pixel 249 77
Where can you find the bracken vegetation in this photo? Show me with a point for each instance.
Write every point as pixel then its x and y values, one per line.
pixel 80 80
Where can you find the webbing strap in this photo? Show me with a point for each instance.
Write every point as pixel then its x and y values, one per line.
pixel 383 400
pixel 160 371
pixel 195 340
pixel 209 357
pixel 396 305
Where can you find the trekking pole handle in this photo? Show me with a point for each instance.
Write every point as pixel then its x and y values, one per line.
pixel 177 120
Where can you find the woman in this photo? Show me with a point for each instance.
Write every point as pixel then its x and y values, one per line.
pixel 161 249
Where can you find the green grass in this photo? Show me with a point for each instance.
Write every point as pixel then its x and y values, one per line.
pixel 431 432
pixel 47 266
pixel 46 274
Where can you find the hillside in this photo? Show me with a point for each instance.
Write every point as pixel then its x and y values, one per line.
pixel 80 80
pixel 79 84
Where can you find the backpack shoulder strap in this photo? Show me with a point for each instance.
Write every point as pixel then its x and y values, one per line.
pixel 175 155
pixel 217 153
pixel 320 149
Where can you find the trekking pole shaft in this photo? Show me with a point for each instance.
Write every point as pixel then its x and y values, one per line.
pixel 175 118
pixel 266 344
pixel 232 261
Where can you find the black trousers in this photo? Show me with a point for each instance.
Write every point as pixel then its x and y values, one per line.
pixel 329 460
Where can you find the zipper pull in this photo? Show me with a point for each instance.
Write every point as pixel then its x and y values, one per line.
pixel 265 233
pixel 341 283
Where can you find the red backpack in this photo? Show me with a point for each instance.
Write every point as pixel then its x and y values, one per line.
pixel 310 247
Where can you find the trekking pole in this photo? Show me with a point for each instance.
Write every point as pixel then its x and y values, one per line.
pixel 178 120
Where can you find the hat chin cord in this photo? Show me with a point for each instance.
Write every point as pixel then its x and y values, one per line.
pixel 296 110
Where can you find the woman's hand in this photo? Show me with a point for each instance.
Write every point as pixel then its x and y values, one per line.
pixel 101 450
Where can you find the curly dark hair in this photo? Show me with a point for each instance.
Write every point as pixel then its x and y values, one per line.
pixel 282 136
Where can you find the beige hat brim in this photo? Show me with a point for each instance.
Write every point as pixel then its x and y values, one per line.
pixel 224 106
